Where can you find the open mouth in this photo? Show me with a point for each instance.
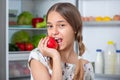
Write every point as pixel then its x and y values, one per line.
pixel 58 40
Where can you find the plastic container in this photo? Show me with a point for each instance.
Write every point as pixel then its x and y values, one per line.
pixel 99 62
pixel 110 58
pixel 117 71
pixel 18 69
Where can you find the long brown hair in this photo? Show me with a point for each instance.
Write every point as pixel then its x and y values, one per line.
pixel 71 14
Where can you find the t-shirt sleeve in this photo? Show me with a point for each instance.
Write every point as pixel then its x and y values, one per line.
pixel 89 73
pixel 35 54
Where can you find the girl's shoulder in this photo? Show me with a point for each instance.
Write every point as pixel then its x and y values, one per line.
pixel 37 55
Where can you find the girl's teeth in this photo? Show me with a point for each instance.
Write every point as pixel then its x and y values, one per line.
pixel 59 40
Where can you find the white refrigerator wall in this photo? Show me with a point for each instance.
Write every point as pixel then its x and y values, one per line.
pixel 41 7
pixel 99 7
pixel 96 38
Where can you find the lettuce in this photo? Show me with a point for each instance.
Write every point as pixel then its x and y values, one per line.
pixel 25 18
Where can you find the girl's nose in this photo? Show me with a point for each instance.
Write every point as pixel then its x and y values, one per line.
pixel 55 31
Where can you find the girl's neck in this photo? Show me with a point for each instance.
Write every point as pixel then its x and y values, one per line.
pixel 69 56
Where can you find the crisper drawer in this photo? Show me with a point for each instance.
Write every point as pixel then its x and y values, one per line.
pixel 18 70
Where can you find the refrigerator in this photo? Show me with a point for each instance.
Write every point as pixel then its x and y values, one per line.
pixel 95 34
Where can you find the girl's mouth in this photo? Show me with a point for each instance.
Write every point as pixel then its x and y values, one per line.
pixel 58 40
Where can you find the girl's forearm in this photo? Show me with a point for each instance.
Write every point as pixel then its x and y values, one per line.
pixel 57 69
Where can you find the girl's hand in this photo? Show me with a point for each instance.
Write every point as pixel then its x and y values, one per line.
pixel 50 52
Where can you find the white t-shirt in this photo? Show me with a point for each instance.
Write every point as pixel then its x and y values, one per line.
pixel 68 69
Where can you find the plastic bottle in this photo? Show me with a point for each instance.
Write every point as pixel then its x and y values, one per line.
pixel 110 58
pixel 117 71
pixel 99 62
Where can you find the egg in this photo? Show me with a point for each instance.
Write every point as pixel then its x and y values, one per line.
pixel 116 17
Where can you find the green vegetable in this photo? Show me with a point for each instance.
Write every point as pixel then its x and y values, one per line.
pixel 13 47
pixel 25 18
pixel 41 24
pixel 36 39
pixel 20 36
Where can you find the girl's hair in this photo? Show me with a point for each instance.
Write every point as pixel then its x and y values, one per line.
pixel 71 14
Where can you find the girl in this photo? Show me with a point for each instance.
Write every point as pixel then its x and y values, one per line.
pixel 65 26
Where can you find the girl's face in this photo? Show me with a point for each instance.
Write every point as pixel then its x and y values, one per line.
pixel 61 30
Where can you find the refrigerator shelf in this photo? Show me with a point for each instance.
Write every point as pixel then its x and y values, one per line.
pixel 107 76
pixel 109 23
pixel 20 28
pixel 18 52
pixel 20 78
pixel 18 55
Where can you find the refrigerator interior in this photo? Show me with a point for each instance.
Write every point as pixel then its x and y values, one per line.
pixel 94 36
pixel 97 36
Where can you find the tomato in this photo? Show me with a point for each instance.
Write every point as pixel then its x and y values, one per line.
pixel 52 43
pixel 21 46
pixel 29 46
pixel 25 46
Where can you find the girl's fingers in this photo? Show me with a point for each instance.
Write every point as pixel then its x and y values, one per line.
pixel 40 42
pixel 45 43
pixel 40 45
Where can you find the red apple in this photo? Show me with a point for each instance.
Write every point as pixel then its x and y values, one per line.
pixel 36 20
pixel 29 46
pixel 52 43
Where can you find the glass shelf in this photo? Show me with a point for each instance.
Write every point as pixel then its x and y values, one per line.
pixel 20 78
pixel 12 28
pixel 107 76
pixel 18 55
pixel 109 23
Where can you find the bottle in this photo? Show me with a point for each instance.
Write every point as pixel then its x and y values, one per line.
pixel 99 62
pixel 117 71
pixel 110 57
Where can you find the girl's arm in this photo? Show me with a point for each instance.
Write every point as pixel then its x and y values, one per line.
pixel 40 72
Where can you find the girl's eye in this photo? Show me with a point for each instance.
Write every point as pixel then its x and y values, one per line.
pixel 61 25
pixel 49 26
